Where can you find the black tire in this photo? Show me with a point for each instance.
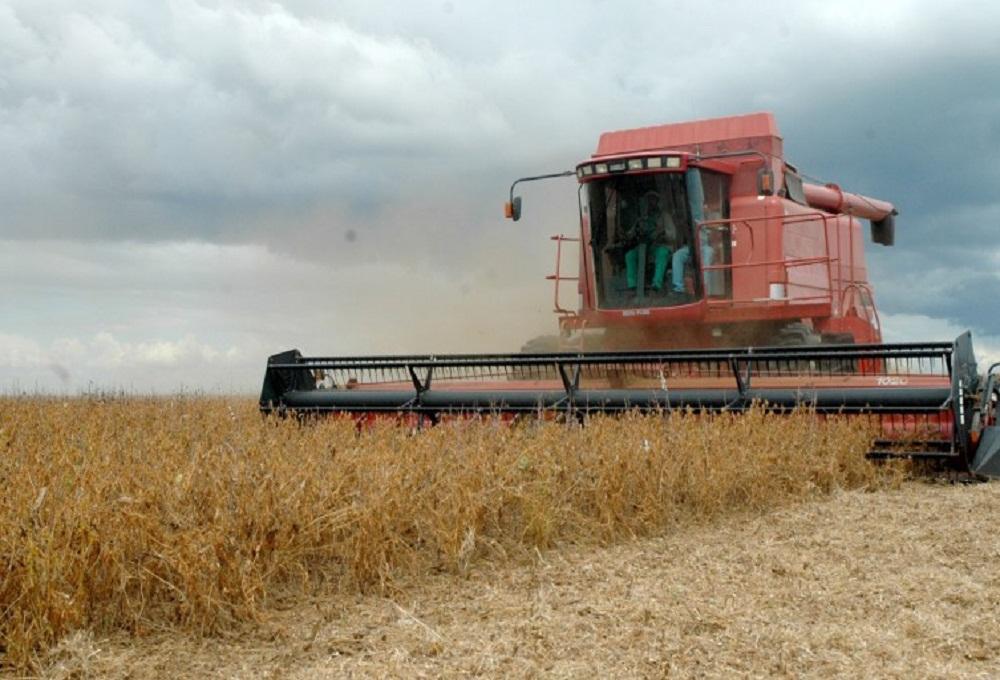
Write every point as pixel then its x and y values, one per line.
pixel 841 366
pixel 796 334
pixel 541 345
pixel 838 339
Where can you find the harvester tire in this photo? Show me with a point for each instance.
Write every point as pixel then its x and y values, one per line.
pixel 838 339
pixel 842 366
pixel 797 333
pixel 541 344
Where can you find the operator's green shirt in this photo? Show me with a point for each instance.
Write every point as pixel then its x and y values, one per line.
pixel 655 230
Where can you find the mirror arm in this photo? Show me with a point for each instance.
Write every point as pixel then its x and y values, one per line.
pixel 565 173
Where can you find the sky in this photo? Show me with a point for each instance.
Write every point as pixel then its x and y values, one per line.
pixel 189 186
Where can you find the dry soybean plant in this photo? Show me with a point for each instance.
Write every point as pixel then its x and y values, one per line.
pixel 149 514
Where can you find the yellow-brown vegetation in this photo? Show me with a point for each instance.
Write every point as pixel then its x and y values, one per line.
pixel 145 514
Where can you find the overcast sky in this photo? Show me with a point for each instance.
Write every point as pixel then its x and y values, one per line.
pixel 188 186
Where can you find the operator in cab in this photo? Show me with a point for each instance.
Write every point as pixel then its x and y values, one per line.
pixel 705 206
pixel 655 229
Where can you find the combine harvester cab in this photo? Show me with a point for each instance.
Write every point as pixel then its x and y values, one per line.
pixel 694 239
pixel 700 234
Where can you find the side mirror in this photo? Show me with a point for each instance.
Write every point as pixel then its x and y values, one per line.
pixel 884 230
pixel 512 209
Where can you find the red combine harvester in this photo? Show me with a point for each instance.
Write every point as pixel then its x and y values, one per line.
pixel 710 276
pixel 701 235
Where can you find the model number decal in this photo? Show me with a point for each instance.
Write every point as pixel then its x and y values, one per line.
pixel 890 380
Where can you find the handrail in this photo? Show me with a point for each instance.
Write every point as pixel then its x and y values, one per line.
pixel 557 276
pixel 792 263
pixel 785 263
pixel 861 286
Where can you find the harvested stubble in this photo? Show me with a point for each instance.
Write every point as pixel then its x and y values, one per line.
pixel 194 513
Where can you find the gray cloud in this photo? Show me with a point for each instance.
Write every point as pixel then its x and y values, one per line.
pixel 220 171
